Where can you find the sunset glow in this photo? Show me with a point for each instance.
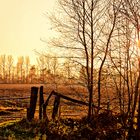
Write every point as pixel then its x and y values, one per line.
pixel 22 24
pixel 70 69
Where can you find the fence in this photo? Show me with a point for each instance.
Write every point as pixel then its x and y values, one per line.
pixel 65 109
pixel 43 105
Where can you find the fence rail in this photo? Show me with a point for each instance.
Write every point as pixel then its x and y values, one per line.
pixel 14 98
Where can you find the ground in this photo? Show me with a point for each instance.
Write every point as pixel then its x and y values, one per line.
pixel 103 127
pixel 70 123
pixel 15 98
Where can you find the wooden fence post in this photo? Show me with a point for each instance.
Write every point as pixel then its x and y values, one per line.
pixel 41 102
pixel 55 107
pixel 33 100
pixel 45 106
pixel 59 111
pixel 138 121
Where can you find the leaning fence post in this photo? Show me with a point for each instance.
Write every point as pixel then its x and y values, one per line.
pixel 41 102
pixel 55 106
pixel 59 111
pixel 33 100
pixel 138 122
pixel 45 106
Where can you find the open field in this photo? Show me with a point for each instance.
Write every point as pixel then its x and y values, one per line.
pixel 18 86
pixel 15 98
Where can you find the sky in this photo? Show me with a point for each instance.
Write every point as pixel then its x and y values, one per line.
pixel 22 24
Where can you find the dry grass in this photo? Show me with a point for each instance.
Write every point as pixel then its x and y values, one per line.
pixel 9 102
pixel 68 109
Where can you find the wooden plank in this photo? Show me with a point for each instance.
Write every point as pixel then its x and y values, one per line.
pixel 41 102
pixel 56 106
pixel 33 100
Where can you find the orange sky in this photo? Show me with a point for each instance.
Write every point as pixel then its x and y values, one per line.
pixel 22 24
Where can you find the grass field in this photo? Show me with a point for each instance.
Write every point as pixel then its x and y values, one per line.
pixel 15 98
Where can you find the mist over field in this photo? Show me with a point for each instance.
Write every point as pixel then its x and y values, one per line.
pixel 78 77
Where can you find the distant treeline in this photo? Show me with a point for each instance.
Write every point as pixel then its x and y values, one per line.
pixel 22 71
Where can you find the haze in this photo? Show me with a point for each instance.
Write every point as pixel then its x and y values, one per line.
pixel 22 24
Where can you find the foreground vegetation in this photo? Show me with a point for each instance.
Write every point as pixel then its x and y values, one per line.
pixel 105 126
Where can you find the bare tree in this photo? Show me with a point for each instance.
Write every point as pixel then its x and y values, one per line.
pixel 9 65
pixel 32 74
pixel 3 66
pixel 130 10
pixel 20 68
pixel 42 67
pixel 82 26
pixel 114 16
pixel 27 63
